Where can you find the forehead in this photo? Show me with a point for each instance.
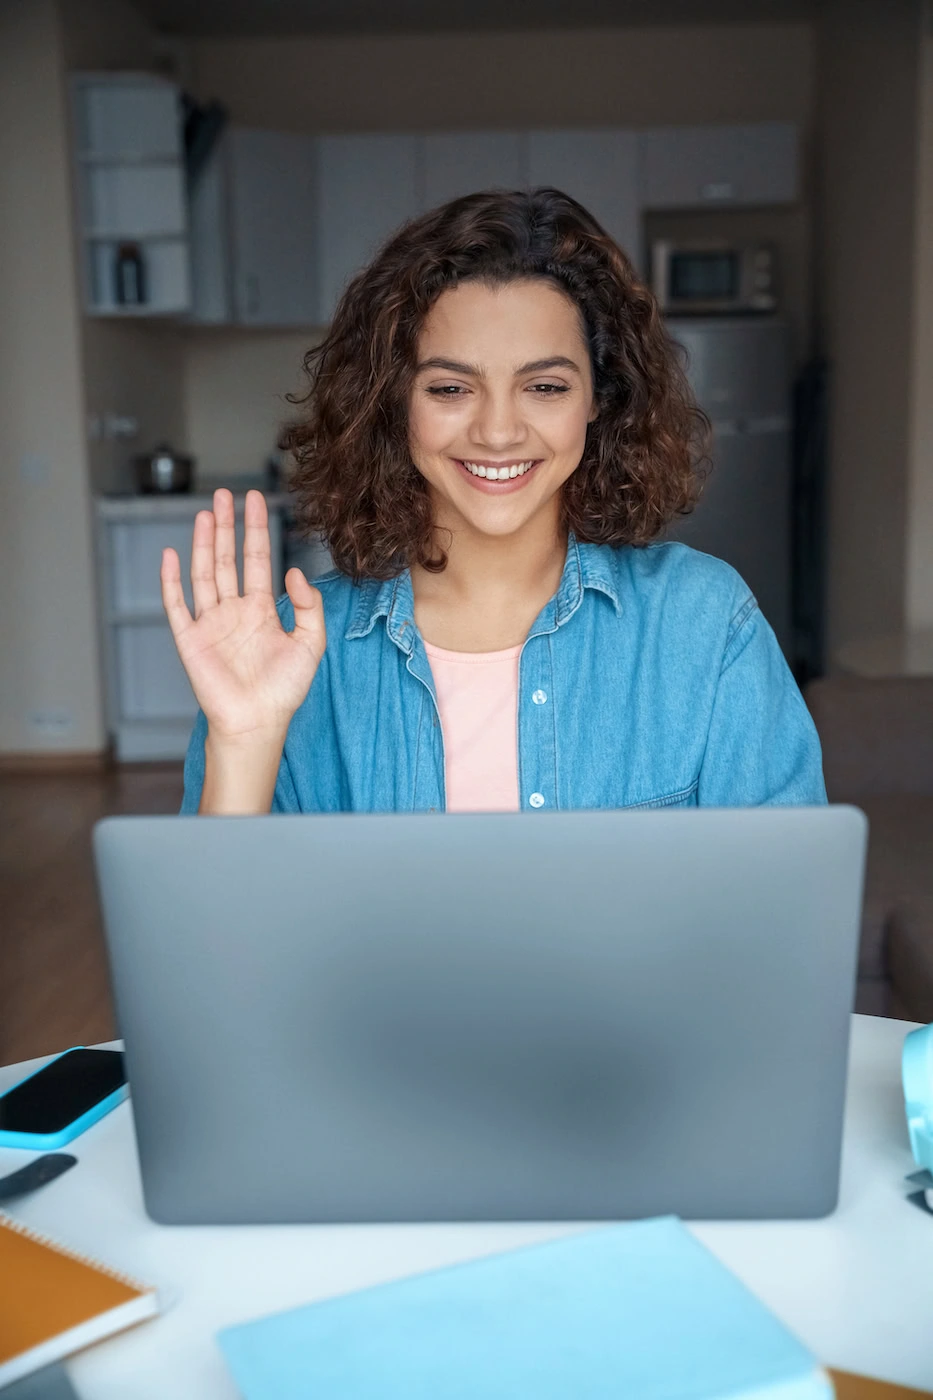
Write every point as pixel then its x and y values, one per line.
pixel 491 323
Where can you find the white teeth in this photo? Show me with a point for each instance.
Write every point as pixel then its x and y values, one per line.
pixel 499 473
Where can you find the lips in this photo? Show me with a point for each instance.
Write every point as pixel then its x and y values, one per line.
pixel 499 471
pixel 498 485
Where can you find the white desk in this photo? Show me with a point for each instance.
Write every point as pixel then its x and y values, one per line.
pixel 857 1288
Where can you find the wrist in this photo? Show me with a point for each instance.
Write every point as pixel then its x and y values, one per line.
pixel 240 772
pixel 247 741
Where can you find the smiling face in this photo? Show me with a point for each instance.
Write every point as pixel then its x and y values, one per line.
pixel 499 406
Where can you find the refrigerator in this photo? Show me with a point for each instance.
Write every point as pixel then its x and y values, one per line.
pixel 740 371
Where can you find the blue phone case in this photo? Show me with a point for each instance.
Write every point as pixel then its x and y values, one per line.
pixel 43 1141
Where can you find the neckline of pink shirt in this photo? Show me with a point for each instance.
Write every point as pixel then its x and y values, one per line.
pixel 469 657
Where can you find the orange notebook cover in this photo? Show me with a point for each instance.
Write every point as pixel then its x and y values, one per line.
pixel 54 1301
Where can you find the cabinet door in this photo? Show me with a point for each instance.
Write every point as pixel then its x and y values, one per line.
pixel 134 588
pixel 272 208
pixel 600 169
pixel 462 162
pixel 135 549
pixel 689 167
pixel 211 292
pixel 367 187
pixel 126 115
pixel 151 682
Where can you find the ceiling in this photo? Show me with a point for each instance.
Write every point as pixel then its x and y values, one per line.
pixel 255 18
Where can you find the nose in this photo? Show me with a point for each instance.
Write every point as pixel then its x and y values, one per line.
pixel 498 423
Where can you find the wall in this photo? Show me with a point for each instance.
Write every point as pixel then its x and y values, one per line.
pixel 624 77
pixel 919 600
pixel 50 694
pixel 869 87
pixel 56 368
pixel 235 387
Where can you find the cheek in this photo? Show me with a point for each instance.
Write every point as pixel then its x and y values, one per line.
pixel 568 429
pixel 427 427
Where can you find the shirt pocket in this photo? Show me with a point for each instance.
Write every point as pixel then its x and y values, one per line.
pixel 686 797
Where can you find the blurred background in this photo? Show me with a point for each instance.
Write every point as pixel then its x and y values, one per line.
pixel 187 185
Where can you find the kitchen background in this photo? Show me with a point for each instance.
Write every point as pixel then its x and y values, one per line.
pixel 800 126
pixel 850 223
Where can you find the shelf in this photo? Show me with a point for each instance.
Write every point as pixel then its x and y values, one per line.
pixel 167 278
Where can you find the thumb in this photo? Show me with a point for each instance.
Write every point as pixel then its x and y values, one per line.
pixel 309 610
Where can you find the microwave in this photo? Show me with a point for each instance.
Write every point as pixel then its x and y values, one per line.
pixel 713 278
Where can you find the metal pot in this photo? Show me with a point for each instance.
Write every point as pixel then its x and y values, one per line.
pixel 163 470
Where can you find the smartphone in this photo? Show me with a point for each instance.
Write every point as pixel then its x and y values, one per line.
pixel 62 1099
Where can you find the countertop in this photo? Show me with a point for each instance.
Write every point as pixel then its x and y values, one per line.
pixel 131 505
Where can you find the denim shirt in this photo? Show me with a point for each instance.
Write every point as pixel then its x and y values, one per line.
pixel 650 679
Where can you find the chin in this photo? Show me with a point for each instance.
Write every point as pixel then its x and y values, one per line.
pixel 500 525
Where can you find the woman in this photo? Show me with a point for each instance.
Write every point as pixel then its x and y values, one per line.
pixel 496 436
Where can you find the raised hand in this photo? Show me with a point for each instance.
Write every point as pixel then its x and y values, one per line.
pixel 249 675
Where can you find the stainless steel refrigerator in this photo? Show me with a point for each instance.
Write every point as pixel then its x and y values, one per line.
pixel 740 371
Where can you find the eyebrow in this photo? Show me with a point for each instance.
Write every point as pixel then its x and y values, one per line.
pixel 532 367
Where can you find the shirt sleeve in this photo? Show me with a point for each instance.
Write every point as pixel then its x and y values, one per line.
pixel 762 748
pixel 194 767
pixel 284 799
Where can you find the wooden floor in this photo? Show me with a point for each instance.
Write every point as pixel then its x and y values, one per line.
pixel 53 975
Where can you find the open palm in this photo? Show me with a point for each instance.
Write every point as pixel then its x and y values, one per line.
pixel 248 674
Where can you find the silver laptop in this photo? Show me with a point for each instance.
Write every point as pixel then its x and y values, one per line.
pixel 565 1016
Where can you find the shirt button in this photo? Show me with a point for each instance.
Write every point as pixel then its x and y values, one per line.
pixel 539 697
pixel 536 799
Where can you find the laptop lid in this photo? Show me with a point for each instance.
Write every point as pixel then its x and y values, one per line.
pixel 570 1015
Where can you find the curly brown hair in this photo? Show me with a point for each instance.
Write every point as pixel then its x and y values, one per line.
pixel 355 482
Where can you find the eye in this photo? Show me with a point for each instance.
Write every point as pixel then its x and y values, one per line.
pixel 446 391
pixel 549 390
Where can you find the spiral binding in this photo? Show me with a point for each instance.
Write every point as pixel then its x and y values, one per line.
pixel 18 1228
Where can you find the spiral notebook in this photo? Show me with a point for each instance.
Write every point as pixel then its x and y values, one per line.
pixel 54 1301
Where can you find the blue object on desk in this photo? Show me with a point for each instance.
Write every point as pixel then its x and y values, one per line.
pixel 917 1075
pixel 629 1312
pixel 46 1141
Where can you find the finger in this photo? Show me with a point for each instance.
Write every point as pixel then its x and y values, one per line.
pixel 203 583
pixel 309 611
pixel 257 554
pixel 173 595
pixel 225 545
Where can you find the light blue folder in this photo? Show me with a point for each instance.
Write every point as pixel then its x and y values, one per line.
pixel 638 1311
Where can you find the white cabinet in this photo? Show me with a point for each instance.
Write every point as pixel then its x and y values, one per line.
pixel 253 231
pixel 211 256
pixel 280 222
pixel 150 704
pixel 367 186
pixel 130 193
pixel 690 167
pixel 599 168
pixel 463 162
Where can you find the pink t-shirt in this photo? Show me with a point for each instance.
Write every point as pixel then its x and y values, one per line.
pixel 477 696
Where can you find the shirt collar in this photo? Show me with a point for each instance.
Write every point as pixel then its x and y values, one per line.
pixel 586 566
